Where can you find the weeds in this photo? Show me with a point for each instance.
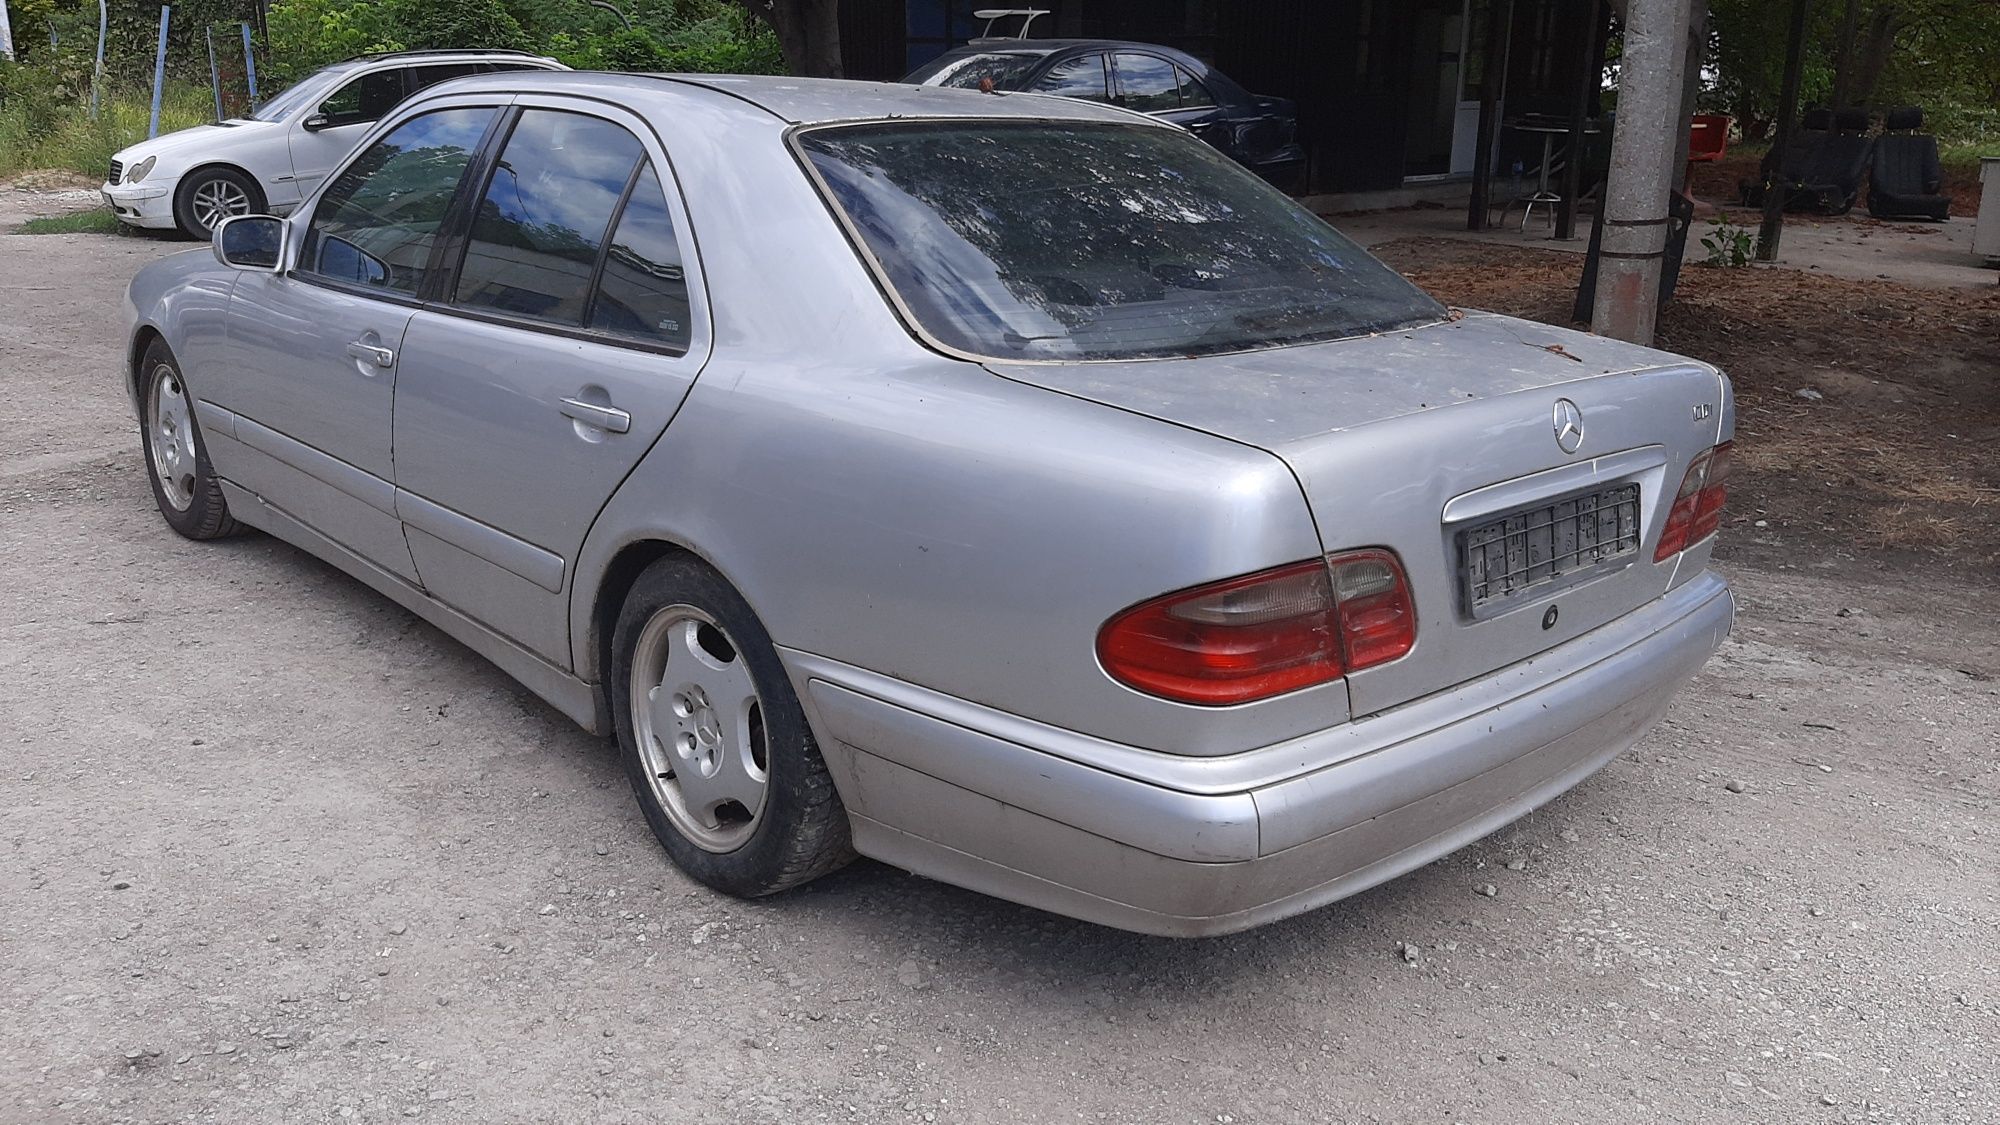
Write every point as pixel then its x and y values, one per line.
pixel 99 221
pixel 48 130
pixel 1729 246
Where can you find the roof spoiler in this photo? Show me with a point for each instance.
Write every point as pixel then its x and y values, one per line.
pixel 992 16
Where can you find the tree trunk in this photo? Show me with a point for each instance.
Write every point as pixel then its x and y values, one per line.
pixel 1843 55
pixel 1882 32
pixel 808 33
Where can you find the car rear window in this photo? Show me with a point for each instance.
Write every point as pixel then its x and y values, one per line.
pixel 1044 240
pixel 1007 69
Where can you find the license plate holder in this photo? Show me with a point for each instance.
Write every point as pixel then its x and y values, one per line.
pixel 1546 546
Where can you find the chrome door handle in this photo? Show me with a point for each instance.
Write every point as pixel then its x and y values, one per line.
pixel 369 353
pixel 591 414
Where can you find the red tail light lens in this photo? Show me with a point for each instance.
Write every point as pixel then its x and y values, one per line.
pixel 1264 634
pixel 1372 600
pixel 1697 509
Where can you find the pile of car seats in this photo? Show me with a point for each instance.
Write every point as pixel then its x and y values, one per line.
pixel 1823 163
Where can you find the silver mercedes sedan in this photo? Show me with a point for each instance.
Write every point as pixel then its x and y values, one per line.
pixel 1008 488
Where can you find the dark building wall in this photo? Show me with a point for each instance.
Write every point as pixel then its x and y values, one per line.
pixel 1353 67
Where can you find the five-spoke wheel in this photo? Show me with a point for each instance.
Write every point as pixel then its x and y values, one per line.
pixel 184 484
pixel 714 739
pixel 700 727
pixel 172 436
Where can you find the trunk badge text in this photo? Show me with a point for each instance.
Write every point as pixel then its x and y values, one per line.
pixel 1569 425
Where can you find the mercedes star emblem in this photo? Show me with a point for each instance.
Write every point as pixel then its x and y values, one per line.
pixel 1569 425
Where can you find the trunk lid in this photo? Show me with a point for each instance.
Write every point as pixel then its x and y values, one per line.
pixel 1413 439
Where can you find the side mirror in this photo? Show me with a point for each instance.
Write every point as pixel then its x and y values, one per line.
pixel 314 122
pixel 250 242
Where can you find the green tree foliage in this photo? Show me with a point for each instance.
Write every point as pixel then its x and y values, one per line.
pixel 664 35
pixel 1943 55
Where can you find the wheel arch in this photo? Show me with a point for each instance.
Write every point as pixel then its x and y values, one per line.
pixel 258 205
pixel 607 598
pixel 142 339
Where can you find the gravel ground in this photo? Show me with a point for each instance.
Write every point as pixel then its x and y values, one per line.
pixel 273 850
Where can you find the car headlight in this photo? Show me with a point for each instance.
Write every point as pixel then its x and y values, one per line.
pixel 139 171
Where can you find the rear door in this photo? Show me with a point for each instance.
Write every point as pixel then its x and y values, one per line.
pixel 547 366
pixel 321 139
pixel 1084 77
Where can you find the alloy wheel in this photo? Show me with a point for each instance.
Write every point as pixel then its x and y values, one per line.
pixel 699 725
pixel 172 437
pixel 217 199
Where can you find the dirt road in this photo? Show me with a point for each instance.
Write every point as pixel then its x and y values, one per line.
pixel 271 850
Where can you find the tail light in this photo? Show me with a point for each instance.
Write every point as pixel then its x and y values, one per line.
pixel 1697 509
pixel 1264 634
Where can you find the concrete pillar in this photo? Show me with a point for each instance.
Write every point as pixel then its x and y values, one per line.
pixel 1644 151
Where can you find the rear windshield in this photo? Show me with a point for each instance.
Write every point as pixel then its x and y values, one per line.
pixel 1007 69
pixel 1042 240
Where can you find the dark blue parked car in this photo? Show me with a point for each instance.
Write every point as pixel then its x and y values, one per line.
pixel 1258 132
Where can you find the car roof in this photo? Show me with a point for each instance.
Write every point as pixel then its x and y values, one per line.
pixel 1051 46
pixel 798 101
pixel 429 58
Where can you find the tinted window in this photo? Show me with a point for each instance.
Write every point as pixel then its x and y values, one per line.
pixel 1036 240
pixel 377 220
pixel 1192 92
pixel 1076 78
pixel 538 228
pixel 643 293
pixel 1005 68
pixel 422 76
pixel 1147 84
pixel 366 98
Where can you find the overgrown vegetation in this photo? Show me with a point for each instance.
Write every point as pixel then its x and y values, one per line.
pixel 671 35
pixel 47 125
pixel 45 122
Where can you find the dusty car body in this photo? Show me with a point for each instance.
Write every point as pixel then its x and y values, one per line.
pixel 1181 644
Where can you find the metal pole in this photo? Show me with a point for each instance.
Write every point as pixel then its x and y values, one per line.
pixel 1642 173
pixel 1773 229
pixel 97 75
pixel 214 74
pixel 1590 75
pixel 250 65
pixel 1499 37
pixel 159 72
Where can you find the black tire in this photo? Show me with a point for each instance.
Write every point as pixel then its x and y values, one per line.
pixel 205 514
pixel 800 832
pixel 186 210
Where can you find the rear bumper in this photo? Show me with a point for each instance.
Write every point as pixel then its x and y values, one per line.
pixel 1186 846
pixel 149 205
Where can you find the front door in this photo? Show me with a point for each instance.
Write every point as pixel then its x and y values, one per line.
pixel 528 392
pixel 315 353
pixel 323 138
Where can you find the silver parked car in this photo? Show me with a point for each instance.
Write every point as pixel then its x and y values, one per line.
pixel 1009 488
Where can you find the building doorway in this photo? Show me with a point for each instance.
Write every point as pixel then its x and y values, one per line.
pixel 1447 40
